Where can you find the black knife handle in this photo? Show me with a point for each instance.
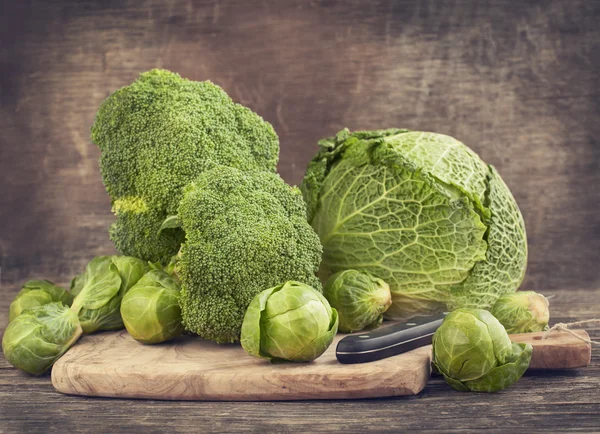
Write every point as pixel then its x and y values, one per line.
pixel 388 341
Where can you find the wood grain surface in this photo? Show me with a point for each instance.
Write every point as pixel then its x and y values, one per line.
pixel 541 401
pixel 557 349
pixel 114 365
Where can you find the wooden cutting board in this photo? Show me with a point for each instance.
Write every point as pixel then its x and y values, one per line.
pixel 112 364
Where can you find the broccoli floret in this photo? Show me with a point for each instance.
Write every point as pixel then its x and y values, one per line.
pixel 245 232
pixel 157 135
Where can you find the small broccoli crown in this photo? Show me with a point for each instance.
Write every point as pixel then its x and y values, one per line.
pixel 245 232
pixel 135 232
pixel 159 133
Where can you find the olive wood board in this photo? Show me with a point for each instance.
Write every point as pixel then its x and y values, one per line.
pixel 112 364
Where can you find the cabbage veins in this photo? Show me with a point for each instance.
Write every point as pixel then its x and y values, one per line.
pixel 419 210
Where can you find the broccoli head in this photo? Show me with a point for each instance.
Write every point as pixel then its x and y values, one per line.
pixel 156 136
pixel 245 232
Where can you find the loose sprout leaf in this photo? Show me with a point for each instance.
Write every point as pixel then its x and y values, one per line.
pixel 77 283
pixel 131 270
pixel 97 301
pixel 456 385
pixel 107 317
pixel 57 293
pixel 504 375
pixel 250 338
pixel 501 344
pixel 169 268
pixel 102 283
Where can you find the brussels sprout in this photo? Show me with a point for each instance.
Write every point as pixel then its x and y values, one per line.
pixel 34 340
pixel 150 309
pixel 100 289
pixel 522 312
pixel 291 322
pixel 360 299
pixel 473 352
pixel 107 317
pixel 37 293
pixel 131 271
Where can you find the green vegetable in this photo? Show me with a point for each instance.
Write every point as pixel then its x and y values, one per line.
pixel 157 135
pixel 420 211
pixel 359 298
pixel 77 283
pixel 98 292
pixel 150 309
pixel 522 312
pixel 131 271
pixel 37 293
pixel 36 338
pixel 245 231
pixel 291 322
pixel 473 352
pixel 168 268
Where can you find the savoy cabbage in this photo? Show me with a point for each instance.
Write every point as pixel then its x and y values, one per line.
pixel 419 210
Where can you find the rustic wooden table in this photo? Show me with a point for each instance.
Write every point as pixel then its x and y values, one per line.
pixel 544 402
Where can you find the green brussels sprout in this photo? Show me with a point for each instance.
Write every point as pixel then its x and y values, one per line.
pixel 291 322
pixel 37 293
pixel 34 340
pixel 360 299
pixel 100 289
pixel 150 309
pixel 107 317
pixel 131 271
pixel 522 312
pixel 473 352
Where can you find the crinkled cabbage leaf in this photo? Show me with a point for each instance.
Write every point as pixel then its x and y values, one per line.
pixel 422 212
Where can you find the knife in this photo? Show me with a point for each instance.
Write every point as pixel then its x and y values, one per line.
pixel 388 341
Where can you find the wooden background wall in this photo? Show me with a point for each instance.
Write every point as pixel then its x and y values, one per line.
pixel 518 81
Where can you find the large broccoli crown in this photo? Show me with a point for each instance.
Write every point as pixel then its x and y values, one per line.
pixel 245 232
pixel 157 135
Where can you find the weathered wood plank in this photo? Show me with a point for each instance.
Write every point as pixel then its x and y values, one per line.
pixel 113 365
pixel 545 401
